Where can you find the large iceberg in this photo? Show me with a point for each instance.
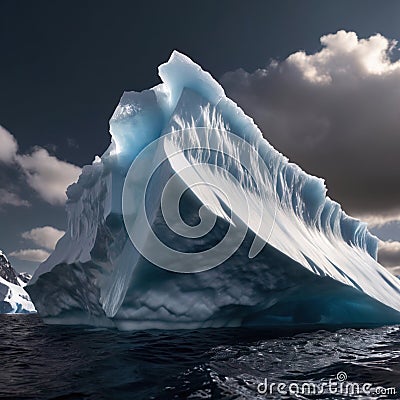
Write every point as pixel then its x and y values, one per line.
pixel 191 219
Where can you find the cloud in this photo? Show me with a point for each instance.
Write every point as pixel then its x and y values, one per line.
pixel 8 146
pixel 36 255
pixel 47 175
pixel 336 114
pixel 44 173
pixel 8 198
pixel 389 253
pixel 380 220
pixel 395 270
pixel 46 236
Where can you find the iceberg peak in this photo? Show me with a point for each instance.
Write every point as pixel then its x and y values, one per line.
pixel 181 72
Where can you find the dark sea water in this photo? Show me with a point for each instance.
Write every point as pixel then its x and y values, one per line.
pixel 57 362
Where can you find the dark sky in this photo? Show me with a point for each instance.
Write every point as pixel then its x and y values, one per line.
pixel 65 64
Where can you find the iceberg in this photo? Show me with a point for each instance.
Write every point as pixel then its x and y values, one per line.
pixel 191 219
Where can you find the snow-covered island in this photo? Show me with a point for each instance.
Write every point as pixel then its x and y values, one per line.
pixel 13 297
pixel 300 261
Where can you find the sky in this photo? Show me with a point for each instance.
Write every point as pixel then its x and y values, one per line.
pixel 321 79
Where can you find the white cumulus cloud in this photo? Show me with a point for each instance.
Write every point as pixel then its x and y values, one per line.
pixel 47 175
pixel 8 146
pixel 35 255
pixel 46 236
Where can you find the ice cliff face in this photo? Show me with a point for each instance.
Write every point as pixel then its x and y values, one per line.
pixel 13 298
pixel 191 219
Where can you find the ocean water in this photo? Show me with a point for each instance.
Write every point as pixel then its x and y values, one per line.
pixel 57 362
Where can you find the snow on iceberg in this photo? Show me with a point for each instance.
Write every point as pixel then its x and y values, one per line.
pixel 183 149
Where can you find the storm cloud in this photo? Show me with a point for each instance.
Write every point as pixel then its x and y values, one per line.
pixel 389 255
pixel 336 113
